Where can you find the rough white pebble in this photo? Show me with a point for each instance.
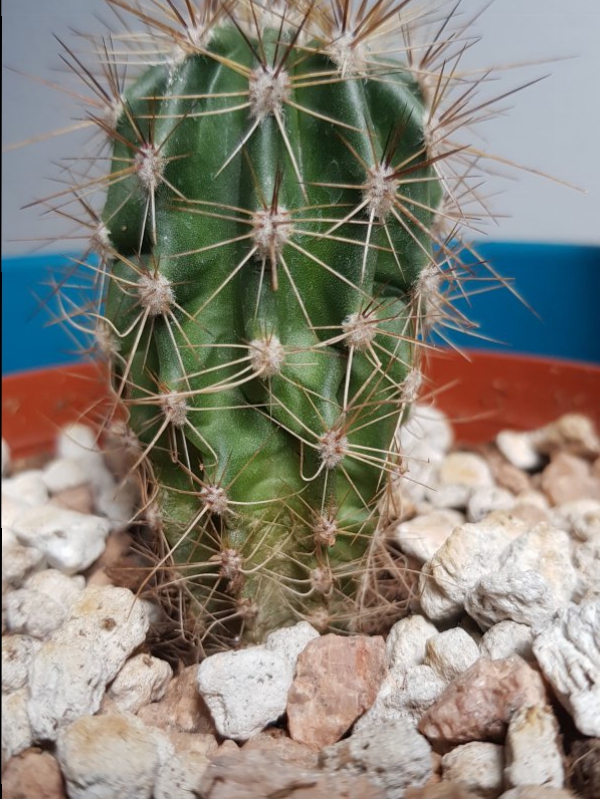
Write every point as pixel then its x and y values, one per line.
pixel 486 499
pixel 450 496
pixel 27 487
pixel 573 433
pixel 33 613
pixel 143 679
pixel 5 458
pixel 451 652
pixel 538 792
pixel 290 642
pixel 465 469
pixel 533 754
pixel 586 558
pixel 17 656
pixel 406 642
pixel 118 502
pixel 404 697
pixel 245 690
pixel 180 776
pixel 52 583
pixel 518 449
pixel 580 517
pixel 61 474
pixel 533 497
pixel 16 729
pixel 424 441
pixel 72 668
pixel 77 442
pixel 470 552
pixel 421 537
pixel 524 597
pixel 507 638
pixel 545 550
pixel 567 649
pixel 426 429
pixel 18 562
pixel 108 756
pixel 477 766
pixel 11 509
pixel 70 541
pixel 393 756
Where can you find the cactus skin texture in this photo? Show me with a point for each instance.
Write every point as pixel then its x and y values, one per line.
pixel 278 186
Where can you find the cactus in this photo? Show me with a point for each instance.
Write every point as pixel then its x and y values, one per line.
pixel 281 206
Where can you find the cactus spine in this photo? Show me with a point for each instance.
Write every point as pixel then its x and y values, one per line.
pixel 280 180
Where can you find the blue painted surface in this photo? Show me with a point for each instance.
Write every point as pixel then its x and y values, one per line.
pixel 561 283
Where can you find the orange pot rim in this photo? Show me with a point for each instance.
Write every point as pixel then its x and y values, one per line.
pixel 482 392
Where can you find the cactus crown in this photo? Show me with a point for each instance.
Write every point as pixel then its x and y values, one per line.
pixel 276 242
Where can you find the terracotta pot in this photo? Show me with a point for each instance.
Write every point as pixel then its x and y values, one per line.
pixel 482 393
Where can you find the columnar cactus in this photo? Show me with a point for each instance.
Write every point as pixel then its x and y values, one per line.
pixel 281 202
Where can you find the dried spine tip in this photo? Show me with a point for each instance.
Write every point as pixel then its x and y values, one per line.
pixel 325 531
pixel 150 166
pixel 215 499
pixel 268 90
pixel 155 293
pixel 359 330
pixel 333 446
pixel 267 356
pixel 271 232
pixel 175 408
pixel 379 191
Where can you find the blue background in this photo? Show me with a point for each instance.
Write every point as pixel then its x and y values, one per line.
pixel 561 283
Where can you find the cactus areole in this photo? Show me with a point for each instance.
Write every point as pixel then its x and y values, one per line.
pixel 266 233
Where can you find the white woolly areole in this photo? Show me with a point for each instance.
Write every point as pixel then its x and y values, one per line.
pixel 267 356
pixel 107 344
pixel 359 330
pixel 155 294
pixel 349 56
pixel 100 239
pixel 321 579
pixel 271 232
pixel 215 499
pixel 333 446
pixel 150 166
pixel 380 190
pixel 175 408
pixel 411 385
pixel 325 531
pixel 268 90
pixel 429 281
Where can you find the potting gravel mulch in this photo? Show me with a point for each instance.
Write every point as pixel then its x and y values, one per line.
pixel 488 687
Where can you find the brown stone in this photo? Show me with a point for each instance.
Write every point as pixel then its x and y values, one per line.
pixel 478 704
pixel 337 680
pixel 285 749
pixel 253 773
pixel 505 473
pixel 79 498
pixel 441 790
pixel 32 775
pixel 182 709
pixel 567 478
pixel 117 548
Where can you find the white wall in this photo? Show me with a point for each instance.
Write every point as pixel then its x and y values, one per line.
pixel 554 126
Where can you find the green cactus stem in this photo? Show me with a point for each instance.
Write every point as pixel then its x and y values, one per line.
pixel 283 189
